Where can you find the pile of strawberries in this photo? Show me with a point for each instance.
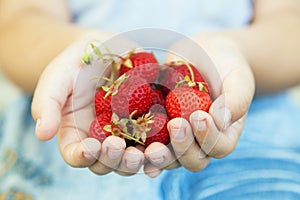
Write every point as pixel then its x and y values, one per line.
pixel 141 97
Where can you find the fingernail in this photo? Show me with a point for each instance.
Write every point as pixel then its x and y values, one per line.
pixel 114 153
pixel 199 125
pixel 91 148
pixel 178 133
pixel 157 160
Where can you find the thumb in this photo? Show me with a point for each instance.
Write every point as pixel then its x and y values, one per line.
pixel 54 87
pixel 48 100
pixel 235 98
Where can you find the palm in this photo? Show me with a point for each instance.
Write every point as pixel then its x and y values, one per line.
pixel 213 134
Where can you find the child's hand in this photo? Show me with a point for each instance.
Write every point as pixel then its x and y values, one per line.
pixel 62 105
pixel 214 134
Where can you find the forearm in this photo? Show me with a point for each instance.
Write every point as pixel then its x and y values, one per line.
pixel 33 37
pixel 271 44
pixel 272 49
pixel 29 43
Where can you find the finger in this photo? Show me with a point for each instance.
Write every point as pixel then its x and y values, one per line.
pixel 229 76
pixel 235 98
pixel 76 149
pixel 160 155
pixel 46 110
pixel 111 154
pixel 132 161
pixel 186 149
pixel 151 170
pixel 213 142
pixel 55 86
pixel 49 98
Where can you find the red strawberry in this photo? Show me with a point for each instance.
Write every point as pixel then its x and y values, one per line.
pixel 158 97
pixel 102 104
pixel 97 127
pixel 141 64
pixel 182 101
pixel 149 128
pixel 175 72
pixel 133 94
pixel 158 130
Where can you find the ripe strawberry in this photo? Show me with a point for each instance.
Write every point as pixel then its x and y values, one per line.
pixel 97 127
pixel 102 104
pixel 133 94
pixel 148 128
pixel 158 130
pixel 158 97
pixel 158 102
pixel 182 101
pixel 175 72
pixel 141 64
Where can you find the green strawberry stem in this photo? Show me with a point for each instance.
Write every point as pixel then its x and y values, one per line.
pixel 113 89
pixel 112 55
pixel 189 68
pixel 191 80
pixel 87 57
pixel 131 138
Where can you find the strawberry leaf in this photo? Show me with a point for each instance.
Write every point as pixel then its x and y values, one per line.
pixel 107 128
pixel 144 136
pixel 128 63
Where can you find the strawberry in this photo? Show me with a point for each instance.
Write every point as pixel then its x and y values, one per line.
pixel 102 104
pixel 123 96
pixel 97 127
pixel 158 102
pixel 158 130
pixel 176 72
pixel 158 97
pixel 133 94
pixel 149 128
pixel 181 102
pixel 141 64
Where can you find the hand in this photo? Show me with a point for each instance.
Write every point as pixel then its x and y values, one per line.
pixel 214 134
pixel 62 106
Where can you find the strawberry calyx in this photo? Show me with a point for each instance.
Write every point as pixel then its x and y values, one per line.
pixel 190 81
pixel 130 128
pixel 126 62
pixel 140 126
pixel 119 127
pixel 113 87
pixel 88 58
pixel 199 85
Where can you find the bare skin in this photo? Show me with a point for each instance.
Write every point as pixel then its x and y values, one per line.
pixel 262 58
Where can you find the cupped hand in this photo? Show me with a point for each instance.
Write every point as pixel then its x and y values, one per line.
pixel 62 106
pixel 216 133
